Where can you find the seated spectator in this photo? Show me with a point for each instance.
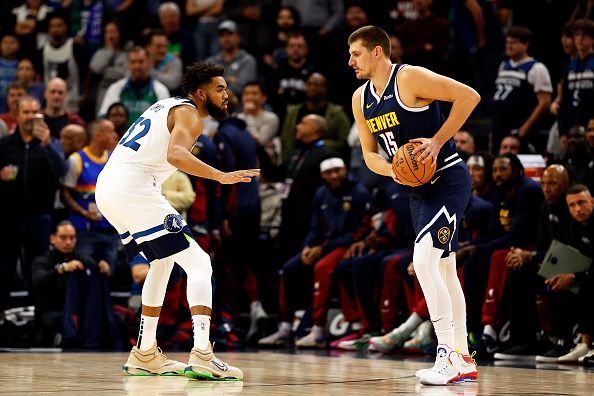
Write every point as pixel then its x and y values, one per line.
pixel 590 135
pixel 262 124
pixel 340 217
pixel 14 93
pixel 287 20
pixel 240 66
pixel 31 25
pixel 73 138
pixel 510 144
pixel 179 193
pixel 138 91
pixel 167 68
pixel 56 115
pixel 578 159
pixel 27 76
pixel 464 143
pixel 180 41
pixel 316 102
pixel 72 301
pixel 9 48
pixel 479 166
pixel 109 63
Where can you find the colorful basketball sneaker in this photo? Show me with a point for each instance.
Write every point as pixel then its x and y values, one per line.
pixel 447 368
pixel 388 342
pixel 151 362
pixel 468 369
pixel 203 364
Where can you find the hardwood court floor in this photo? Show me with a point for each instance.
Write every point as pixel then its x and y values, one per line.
pixel 271 373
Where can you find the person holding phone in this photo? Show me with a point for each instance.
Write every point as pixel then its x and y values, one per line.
pixel 31 164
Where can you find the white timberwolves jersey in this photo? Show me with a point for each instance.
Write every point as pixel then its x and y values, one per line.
pixel 144 145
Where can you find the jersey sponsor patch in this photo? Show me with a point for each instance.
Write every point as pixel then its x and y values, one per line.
pixel 173 223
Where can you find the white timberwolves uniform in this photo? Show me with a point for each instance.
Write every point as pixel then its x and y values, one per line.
pixel 128 191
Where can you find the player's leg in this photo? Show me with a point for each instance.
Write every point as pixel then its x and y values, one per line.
pixel 202 362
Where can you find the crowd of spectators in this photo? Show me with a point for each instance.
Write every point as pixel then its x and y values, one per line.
pixel 317 227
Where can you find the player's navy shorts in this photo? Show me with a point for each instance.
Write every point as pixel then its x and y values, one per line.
pixel 437 207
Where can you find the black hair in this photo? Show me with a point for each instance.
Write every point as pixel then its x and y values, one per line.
pixel 117 104
pixel 585 26
pixel 294 13
pixel 371 37
pixel 198 74
pixel 516 164
pixel 60 224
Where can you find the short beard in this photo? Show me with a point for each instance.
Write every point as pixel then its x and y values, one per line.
pixel 215 112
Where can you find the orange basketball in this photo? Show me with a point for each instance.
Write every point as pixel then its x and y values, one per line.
pixel 410 171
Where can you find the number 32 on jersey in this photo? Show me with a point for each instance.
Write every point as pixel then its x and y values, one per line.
pixel 136 131
pixel 389 142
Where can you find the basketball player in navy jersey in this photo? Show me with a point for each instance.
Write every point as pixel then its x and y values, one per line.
pixel 399 104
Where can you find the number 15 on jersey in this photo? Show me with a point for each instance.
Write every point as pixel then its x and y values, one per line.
pixel 389 142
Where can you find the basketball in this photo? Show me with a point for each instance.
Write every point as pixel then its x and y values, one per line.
pixel 410 171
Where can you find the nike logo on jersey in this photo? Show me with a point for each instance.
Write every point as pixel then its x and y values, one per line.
pixel 434 180
pixel 369 105
pixel 382 122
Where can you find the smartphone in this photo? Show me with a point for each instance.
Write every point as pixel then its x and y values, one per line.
pixel 37 119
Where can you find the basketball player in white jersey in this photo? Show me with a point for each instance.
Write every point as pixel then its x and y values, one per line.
pixel 128 194
pixel 400 103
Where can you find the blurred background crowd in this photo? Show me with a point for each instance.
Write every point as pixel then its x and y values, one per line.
pixel 318 245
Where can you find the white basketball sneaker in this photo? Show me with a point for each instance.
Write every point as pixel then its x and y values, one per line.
pixel 469 371
pixel 447 368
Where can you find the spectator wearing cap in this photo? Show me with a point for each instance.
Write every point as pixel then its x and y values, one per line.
pixel 240 66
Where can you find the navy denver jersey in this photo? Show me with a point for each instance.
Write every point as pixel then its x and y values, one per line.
pixel 436 207
pixel 393 124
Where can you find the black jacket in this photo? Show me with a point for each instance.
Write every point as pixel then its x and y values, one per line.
pixel 39 169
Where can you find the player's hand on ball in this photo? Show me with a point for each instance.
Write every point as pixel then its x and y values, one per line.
pixel 396 179
pixel 428 149
pixel 240 176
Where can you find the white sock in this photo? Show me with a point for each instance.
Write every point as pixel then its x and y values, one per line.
pixel 201 327
pixel 147 335
pixel 447 269
pixel 317 330
pixel 426 260
pixel 413 321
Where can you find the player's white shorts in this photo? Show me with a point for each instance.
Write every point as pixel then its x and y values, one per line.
pixel 131 200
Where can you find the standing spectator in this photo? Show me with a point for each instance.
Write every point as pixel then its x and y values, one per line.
pixel 209 16
pixel 27 76
pixel 109 63
pixel 9 48
pixel 316 102
pixel 87 20
pixel 425 39
pixel 72 301
pixel 138 91
pixel 240 66
pixel 167 68
pixel 291 74
pixel 14 93
pixel 96 237
pixel 510 144
pixel 319 18
pixel 576 105
pixel 262 124
pixel 274 49
pixel 62 57
pixel 31 25
pixel 55 113
pixel 30 167
pixel 181 42
pixel 523 92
